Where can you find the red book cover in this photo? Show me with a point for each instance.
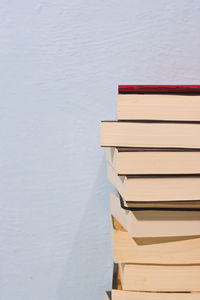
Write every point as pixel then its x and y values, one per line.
pixel 159 89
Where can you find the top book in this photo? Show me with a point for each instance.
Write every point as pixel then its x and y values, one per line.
pixel 159 89
pixel 159 103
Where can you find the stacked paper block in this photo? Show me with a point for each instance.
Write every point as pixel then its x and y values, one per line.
pixel 153 156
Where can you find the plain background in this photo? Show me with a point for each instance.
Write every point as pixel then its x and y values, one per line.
pixel 61 62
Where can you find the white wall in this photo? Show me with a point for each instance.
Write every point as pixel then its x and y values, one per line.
pixel 61 62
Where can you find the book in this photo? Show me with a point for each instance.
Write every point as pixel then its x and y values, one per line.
pixel 127 295
pixel 160 278
pixel 118 294
pixel 131 161
pixel 150 134
pixel 159 89
pixel 156 188
pixel 156 250
pixel 154 223
pixel 158 107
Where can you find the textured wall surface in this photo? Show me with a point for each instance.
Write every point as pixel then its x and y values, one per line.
pixel 61 62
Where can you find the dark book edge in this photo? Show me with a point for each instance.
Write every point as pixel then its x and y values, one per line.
pixel 161 175
pixel 153 208
pixel 156 149
pixel 109 294
pixel 151 121
pixel 115 276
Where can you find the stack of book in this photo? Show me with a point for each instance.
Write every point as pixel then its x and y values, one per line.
pixel 153 154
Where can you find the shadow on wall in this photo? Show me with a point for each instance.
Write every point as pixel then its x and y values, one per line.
pixel 91 248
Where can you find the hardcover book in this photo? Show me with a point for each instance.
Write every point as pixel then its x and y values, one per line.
pixel 142 161
pixel 154 223
pixel 154 250
pixel 144 189
pixel 158 107
pixel 160 278
pixel 159 89
pixel 150 135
